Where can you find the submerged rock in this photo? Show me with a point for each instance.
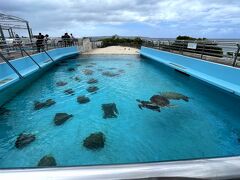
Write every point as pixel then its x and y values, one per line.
pixel 94 141
pixel 88 71
pixel 24 139
pixel 159 100
pixel 61 83
pixel 39 105
pixel 110 110
pixel 82 99
pixel 71 69
pixel 92 81
pixel 4 111
pixel 92 89
pixel 69 92
pixel 61 118
pixel 110 74
pixel 47 161
pixel 174 96
pixel 100 69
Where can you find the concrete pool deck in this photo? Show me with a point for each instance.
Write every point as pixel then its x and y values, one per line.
pixel 114 50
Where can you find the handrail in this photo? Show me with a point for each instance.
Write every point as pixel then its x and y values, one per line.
pixel 29 56
pixel 48 55
pixel 13 68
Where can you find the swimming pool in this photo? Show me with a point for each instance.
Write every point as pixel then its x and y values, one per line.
pixel 206 124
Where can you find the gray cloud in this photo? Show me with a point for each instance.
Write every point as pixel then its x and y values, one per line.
pixel 86 15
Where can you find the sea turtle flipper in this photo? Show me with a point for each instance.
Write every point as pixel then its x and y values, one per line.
pixel 140 106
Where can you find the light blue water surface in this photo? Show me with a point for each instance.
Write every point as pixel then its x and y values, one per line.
pixel 206 126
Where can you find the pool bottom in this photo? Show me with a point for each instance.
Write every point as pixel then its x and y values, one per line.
pixel 205 126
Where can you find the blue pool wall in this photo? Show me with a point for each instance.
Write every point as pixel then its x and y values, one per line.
pixel 29 70
pixel 222 76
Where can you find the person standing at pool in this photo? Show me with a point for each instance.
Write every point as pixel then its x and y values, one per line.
pixel 39 42
pixel 66 39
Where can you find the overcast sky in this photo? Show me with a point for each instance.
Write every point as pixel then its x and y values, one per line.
pixel 152 18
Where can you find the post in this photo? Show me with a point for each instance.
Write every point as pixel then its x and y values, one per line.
pixel 236 55
pixel 2 34
pixel 29 32
pixel 203 49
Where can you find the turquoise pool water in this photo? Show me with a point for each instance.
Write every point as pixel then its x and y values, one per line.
pixel 205 126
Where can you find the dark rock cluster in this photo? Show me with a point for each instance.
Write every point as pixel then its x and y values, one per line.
pixel 88 71
pixel 83 99
pixel 61 83
pixel 110 74
pixel 24 139
pixel 69 92
pixel 109 110
pixel 92 81
pixel 92 89
pixel 39 105
pixel 47 161
pixel 61 118
pixel 94 141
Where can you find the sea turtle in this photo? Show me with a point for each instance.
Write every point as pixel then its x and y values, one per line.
pixel 160 100
pixel 148 105
pixel 174 96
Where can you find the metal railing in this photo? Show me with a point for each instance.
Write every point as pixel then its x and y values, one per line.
pixel 221 51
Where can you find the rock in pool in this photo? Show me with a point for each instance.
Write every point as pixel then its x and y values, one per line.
pixel 88 71
pixel 61 118
pixel 47 161
pixel 110 110
pixel 69 92
pixel 24 139
pixel 92 89
pixel 92 81
pixel 95 141
pixel 82 99
pixel 109 74
pixel 4 111
pixel 61 83
pixel 39 105
pixel 77 78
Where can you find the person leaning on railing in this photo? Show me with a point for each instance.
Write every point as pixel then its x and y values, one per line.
pixel 66 39
pixel 39 42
